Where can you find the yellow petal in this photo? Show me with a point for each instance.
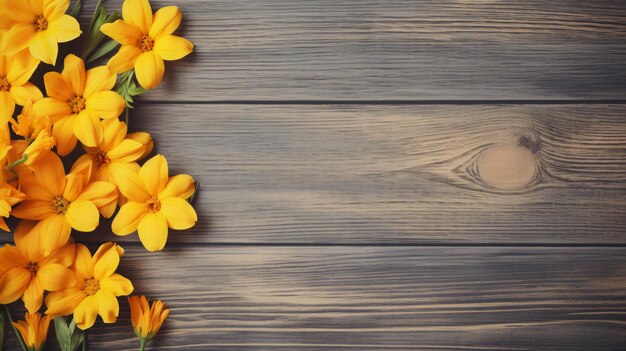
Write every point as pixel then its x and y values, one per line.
pixel 86 312
pixel 105 104
pixel 127 151
pixel 83 216
pixel 138 13
pixel 51 173
pixel 124 60
pixel 153 231
pixel 127 219
pixel 87 128
pixel 166 21
pixel 54 276
pixel 122 32
pixel 33 296
pixel 154 174
pixel 22 68
pixel 102 194
pixel 74 74
pixel 26 93
pixel 13 284
pixel 28 239
pixel 35 210
pixel 55 233
pixel 181 185
pixel 114 133
pixel 149 69
pixel 57 87
pixel 84 264
pixel 17 38
pixel 145 139
pixel 61 303
pixel 117 284
pixel 64 29
pixel 179 213
pixel 98 79
pixel 7 106
pixel 64 256
pixel 21 11
pixel 53 108
pixel 108 307
pixel 53 9
pixel 63 133
pixel 171 47
pixel 73 186
pixel 131 186
pixel 44 46
pixel 106 263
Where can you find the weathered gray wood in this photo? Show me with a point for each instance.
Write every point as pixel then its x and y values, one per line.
pixel 392 174
pixel 372 298
pixel 398 49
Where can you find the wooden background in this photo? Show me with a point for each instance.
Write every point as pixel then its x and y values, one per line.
pixel 391 175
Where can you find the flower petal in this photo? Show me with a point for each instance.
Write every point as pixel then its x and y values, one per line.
pixel 122 32
pixel 64 28
pixel 172 47
pixel 108 306
pixel 105 104
pixel 53 108
pixel 166 21
pixel 117 284
pixel 128 218
pixel 149 69
pixel 63 133
pixel 106 263
pixel 154 174
pixel 83 216
pixel 84 264
pixel 138 13
pixel 54 276
pixel 153 231
pixel 179 213
pixel 98 79
pixel 44 46
pixel 131 186
pixel 180 185
pixel 18 37
pixel 55 232
pixel 86 312
pixel 25 93
pixel 87 128
pixel 35 210
pixel 33 296
pixel 57 87
pixel 74 74
pixel 13 284
pixel 7 106
pixel 127 151
pixel 102 194
pixel 51 173
pixel 53 9
pixel 114 133
pixel 61 303
pixel 124 60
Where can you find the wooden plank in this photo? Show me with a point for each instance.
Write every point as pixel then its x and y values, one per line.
pixel 391 174
pixel 398 49
pixel 376 298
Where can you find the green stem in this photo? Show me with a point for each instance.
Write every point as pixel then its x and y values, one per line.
pixel 85 340
pixel 18 162
pixel 142 344
pixel 17 333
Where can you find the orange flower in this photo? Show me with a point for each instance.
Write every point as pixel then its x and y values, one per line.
pixel 147 319
pixel 15 71
pixel 34 331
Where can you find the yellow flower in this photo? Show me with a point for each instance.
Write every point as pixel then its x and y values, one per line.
pixel 77 100
pixel 146 41
pixel 34 330
pixel 62 202
pixel 116 151
pixel 15 71
pixel 28 125
pixel 9 197
pixel 38 148
pixel 28 271
pixel 155 202
pixel 96 290
pixel 147 319
pixel 38 25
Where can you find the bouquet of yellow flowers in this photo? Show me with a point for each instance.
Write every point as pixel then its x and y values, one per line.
pixel 52 96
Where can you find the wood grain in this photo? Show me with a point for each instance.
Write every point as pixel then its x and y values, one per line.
pixel 398 49
pixel 393 174
pixel 373 298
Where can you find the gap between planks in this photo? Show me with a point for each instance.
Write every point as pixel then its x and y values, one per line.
pixel 385 102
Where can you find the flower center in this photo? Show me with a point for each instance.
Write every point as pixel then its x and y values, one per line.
pixel 91 286
pixel 102 159
pixel 145 43
pixel 60 205
pixel 40 24
pixel 32 267
pixel 77 104
pixel 4 84
pixel 153 204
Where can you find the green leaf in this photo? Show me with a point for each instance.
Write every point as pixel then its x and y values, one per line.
pixel 17 333
pixel 103 50
pixel 75 11
pixel 68 336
